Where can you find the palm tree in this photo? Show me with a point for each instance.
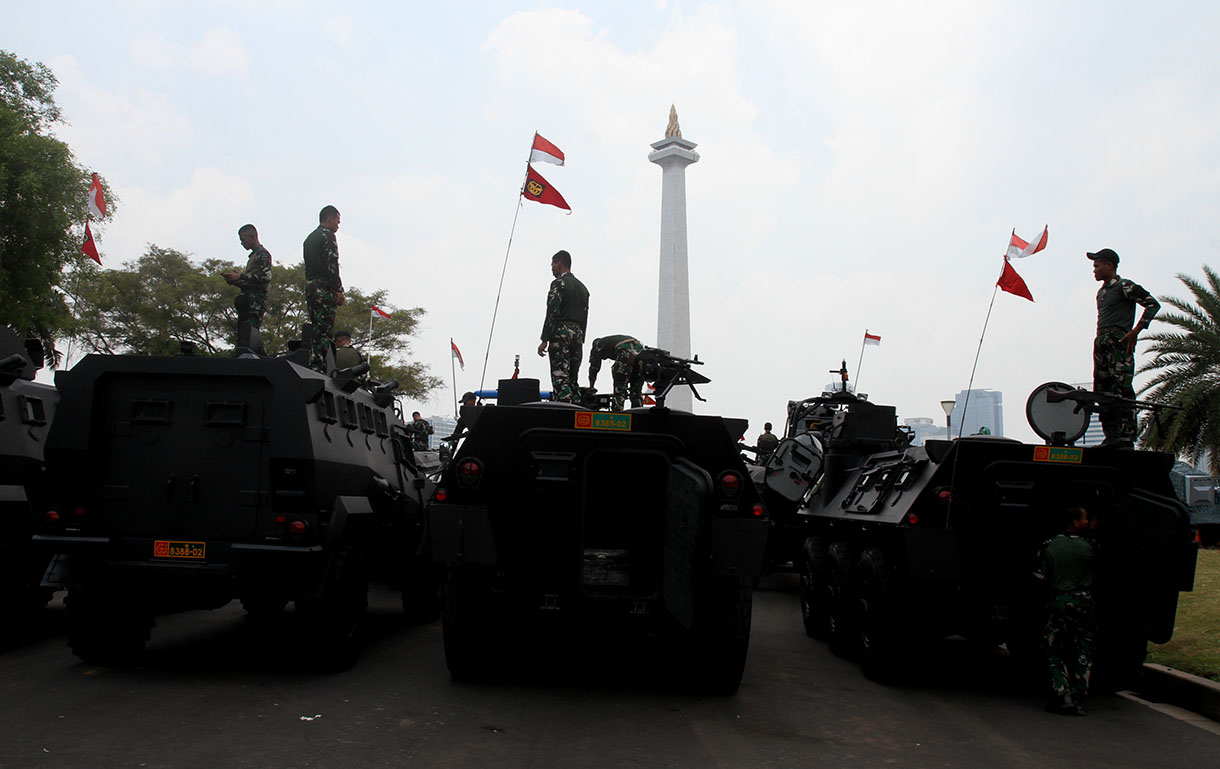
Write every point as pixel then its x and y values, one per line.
pixel 1187 374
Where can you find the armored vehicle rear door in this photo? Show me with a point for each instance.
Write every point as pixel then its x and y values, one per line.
pixel 184 457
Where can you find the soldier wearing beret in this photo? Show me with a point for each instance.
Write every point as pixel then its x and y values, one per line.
pixel 1114 347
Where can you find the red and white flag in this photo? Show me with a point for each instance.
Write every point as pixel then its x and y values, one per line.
pixel 545 152
pixel 97 201
pixel 540 190
pixel 89 248
pixel 456 353
pixel 377 312
pixel 872 339
pixel 1019 249
pixel 1011 282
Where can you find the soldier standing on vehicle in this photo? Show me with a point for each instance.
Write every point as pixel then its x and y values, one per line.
pixel 623 350
pixel 1066 565
pixel 420 430
pixel 1114 347
pixel 323 287
pixel 567 314
pixel 766 443
pixel 254 280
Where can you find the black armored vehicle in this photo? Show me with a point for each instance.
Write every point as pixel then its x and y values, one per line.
pixel 185 482
pixel 559 521
pixel 899 544
pixel 26 410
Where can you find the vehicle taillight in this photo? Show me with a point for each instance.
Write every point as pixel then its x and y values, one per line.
pixel 758 510
pixel 912 518
pixel 79 511
pixel 944 495
pixel 51 516
pixel 469 472
pixel 297 527
pixel 440 495
pixel 730 484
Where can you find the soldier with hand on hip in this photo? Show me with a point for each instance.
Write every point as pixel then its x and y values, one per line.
pixel 563 330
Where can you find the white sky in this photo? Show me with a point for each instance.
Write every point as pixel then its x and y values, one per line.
pixel 863 164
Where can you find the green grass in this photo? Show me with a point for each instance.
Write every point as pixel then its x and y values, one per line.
pixel 1195 646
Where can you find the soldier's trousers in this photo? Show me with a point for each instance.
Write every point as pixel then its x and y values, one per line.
pixel 322 302
pixel 625 386
pixel 565 349
pixel 1114 372
pixel 255 305
pixel 1068 639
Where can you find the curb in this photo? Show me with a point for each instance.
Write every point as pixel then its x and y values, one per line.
pixel 1165 684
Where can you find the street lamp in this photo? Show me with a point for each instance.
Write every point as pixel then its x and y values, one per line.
pixel 948 407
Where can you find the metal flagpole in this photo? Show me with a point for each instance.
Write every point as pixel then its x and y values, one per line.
pixel 453 376
pixel 503 270
pixel 961 423
pixel 862 341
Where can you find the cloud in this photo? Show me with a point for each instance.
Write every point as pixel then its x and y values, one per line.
pixel 340 30
pixel 221 51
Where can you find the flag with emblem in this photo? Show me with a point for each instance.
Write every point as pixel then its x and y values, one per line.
pixel 540 190
pixel 89 248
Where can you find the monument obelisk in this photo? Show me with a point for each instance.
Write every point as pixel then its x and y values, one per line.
pixel 673 154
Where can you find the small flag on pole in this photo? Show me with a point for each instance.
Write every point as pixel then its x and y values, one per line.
pixel 872 339
pixel 377 312
pixel 540 191
pixel 545 152
pixel 1019 248
pixel 89 248
pixel 97 201
pixel 456 353
pixel 1011 282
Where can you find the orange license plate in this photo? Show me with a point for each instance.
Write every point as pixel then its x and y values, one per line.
pixel 170 548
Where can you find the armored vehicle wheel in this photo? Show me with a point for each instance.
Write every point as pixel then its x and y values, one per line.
pixel 721 638
pixel 878 630
pixel 472 623
pixel 838 588
pixel 106 631
pixel 334 617
pixel 815 588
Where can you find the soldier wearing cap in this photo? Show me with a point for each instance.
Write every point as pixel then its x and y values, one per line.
pixel 1114 347
pixel 563 330
pixel 346 356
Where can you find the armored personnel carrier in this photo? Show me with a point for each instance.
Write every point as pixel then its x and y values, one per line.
pixel 26 410
pixel 899 544
pixel 185 482
pixel 578 522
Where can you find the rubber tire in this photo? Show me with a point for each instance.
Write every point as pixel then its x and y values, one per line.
pixel 721 639
pixel 815 588
pixel 335 617
pixel 472 623
pixel 840 632
pixel 878 629
pixel 103 630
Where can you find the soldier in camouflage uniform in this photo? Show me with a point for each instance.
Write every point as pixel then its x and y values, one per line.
pixel 567 314
pixel 623 350
pixel 1114 347
pixel 1065 566
pixel 323 287
pixel 254 280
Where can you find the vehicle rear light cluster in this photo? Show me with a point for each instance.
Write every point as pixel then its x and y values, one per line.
pixel 51 516
pixel 469 473
pixel 758 510
pixel 912 518
pixel 440 495
pixel 729 484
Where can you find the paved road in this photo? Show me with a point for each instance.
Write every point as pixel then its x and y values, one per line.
pixel 206 696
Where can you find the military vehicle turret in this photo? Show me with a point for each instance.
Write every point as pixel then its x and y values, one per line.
pixel 589 523
pixel 26 410
pixel 185 482
pixel 898 544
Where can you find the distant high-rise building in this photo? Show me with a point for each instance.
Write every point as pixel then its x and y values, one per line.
pixel 442 427
pixel 985 409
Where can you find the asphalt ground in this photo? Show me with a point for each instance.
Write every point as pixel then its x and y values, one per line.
pixel 212 692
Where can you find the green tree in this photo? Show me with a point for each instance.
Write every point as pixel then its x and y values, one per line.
pixel 43 204
pixel 1186 373
pixel 152 304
